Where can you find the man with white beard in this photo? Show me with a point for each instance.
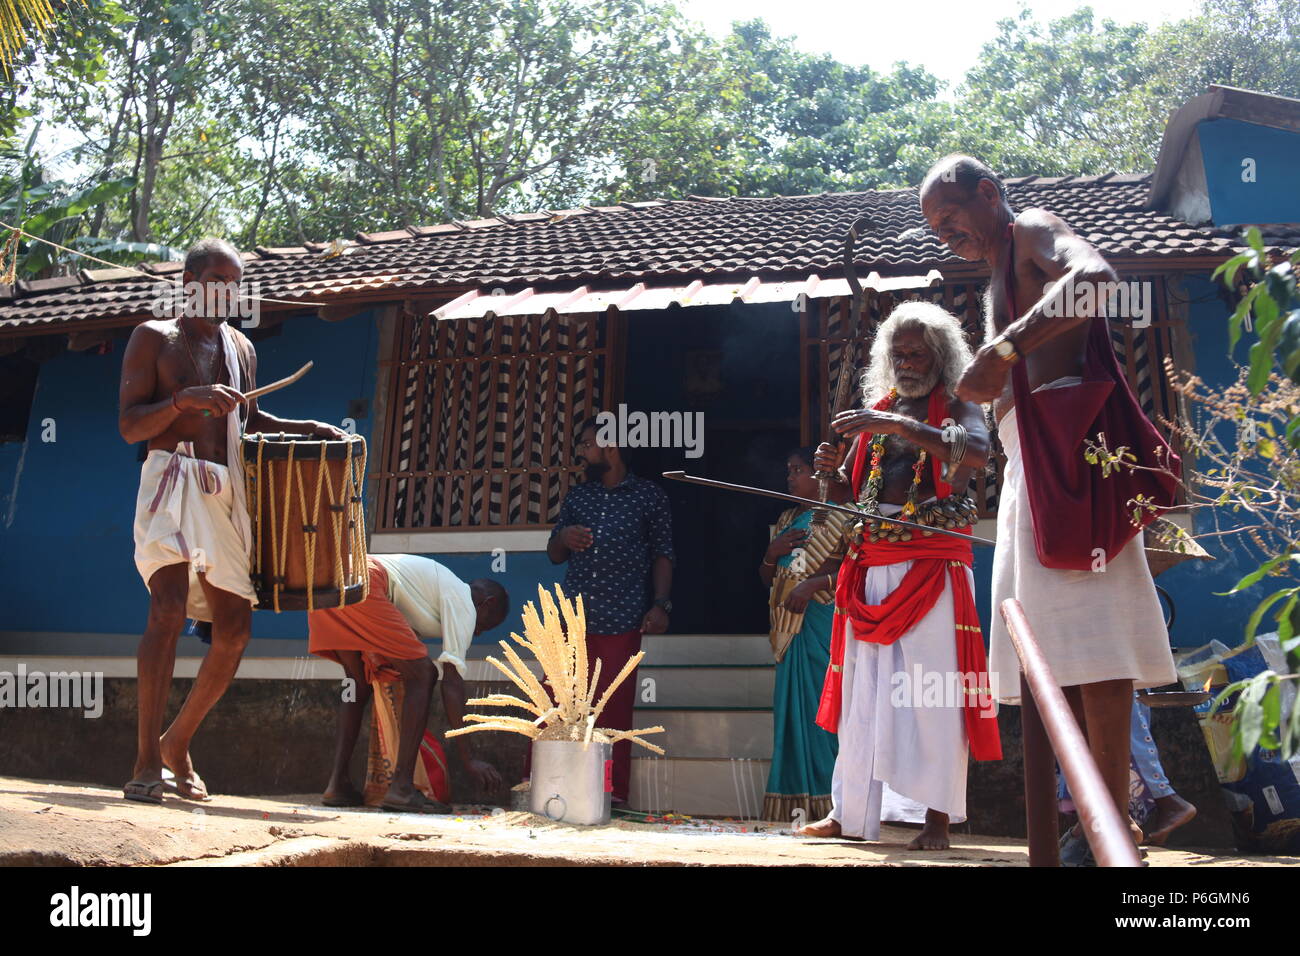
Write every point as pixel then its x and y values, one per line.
pixel 904 600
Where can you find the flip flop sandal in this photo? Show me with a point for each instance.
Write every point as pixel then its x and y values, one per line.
pixel 1075 850
pixel 144 792
pixel 421 804
pixel 174 786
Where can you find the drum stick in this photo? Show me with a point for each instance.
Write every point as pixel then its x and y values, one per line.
pixel 280 384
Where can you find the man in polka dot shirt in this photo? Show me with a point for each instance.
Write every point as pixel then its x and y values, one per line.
pixel 615 531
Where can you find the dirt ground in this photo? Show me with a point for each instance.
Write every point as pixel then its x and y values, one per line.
pixel 43 823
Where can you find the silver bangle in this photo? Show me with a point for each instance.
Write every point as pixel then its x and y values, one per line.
pixel 958 446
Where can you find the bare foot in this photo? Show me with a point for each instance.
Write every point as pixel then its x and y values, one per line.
pixel 1171 813
pixel 829 827
pixel 187 782
pixel 934 835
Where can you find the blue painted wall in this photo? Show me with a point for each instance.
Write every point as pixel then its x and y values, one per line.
pixel 1275 154
pixel 67 505
pixel 1202 614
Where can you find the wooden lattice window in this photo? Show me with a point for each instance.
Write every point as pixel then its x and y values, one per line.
pixel 1142 351
pixel 480 419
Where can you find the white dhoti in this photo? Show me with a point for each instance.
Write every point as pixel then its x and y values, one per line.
pixel 901 750
pixel 195 512
pixel 1091 625
pixel 184 513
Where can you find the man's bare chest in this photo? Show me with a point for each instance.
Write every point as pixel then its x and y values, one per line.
pixel 187 365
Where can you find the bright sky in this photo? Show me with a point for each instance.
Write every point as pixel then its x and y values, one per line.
pixel 945 36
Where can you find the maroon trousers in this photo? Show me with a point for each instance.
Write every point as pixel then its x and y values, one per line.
pixel 613 651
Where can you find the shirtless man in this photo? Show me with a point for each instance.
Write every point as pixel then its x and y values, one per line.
pixel 182 392
pixel 906 608
pixel 1102 633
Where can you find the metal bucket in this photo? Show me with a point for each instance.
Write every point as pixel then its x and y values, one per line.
pixel 571 784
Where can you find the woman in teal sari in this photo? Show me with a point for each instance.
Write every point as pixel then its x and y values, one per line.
pixel 802 606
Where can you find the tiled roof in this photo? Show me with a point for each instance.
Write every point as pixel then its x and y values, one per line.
pixel 655 240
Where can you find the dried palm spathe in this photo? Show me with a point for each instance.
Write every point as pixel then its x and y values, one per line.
pixel 557 639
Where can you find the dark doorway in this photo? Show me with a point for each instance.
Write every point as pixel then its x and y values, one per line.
pixel 739 366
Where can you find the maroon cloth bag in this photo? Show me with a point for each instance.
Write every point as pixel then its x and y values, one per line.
pixel 1075 510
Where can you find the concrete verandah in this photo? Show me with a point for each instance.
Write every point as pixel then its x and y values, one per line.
pixel 52 823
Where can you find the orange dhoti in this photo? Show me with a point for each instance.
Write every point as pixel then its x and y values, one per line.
pixel 375 627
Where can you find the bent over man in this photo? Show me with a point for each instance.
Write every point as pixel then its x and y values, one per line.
pixel 379 640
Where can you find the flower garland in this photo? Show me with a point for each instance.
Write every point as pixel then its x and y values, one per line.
pixel 951 513
pixel 871 488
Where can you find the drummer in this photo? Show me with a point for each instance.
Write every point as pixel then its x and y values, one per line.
pixel 182 392
pixel 411 598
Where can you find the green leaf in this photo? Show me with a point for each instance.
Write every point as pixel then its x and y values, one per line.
pixel 77 204
pixel 1252 624
pixel 1293 432
pixel 1272 709
pixel 1261 366
pixel 1239 317
pixel 1249 716
pixel 1255 576
pixel 1255 241
pixel 120 247
pixel 1292 736
pixel 1289 345
pixel 1229 269
pixel 1284 622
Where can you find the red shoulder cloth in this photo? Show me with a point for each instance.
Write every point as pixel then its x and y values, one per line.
pixel 937 562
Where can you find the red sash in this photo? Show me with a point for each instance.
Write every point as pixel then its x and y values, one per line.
pixel 937 561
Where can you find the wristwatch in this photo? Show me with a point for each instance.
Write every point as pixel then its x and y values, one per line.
pixel 1005 346
pixel 665 603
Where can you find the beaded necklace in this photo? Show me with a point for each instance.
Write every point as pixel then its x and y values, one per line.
pixel 871 487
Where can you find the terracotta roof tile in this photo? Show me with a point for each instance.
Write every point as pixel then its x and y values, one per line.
pixel 435 230
pixel 642 241
pixel 106 275
pixel 392 235
pixel 33 286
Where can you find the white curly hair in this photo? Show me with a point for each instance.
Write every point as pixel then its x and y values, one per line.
pixel 943 334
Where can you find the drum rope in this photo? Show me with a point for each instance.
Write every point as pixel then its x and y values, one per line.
pixel 256 483
pixel 309 530
pixel 283 557
pixel 344 502
pixel 357 510
pixel 336 515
